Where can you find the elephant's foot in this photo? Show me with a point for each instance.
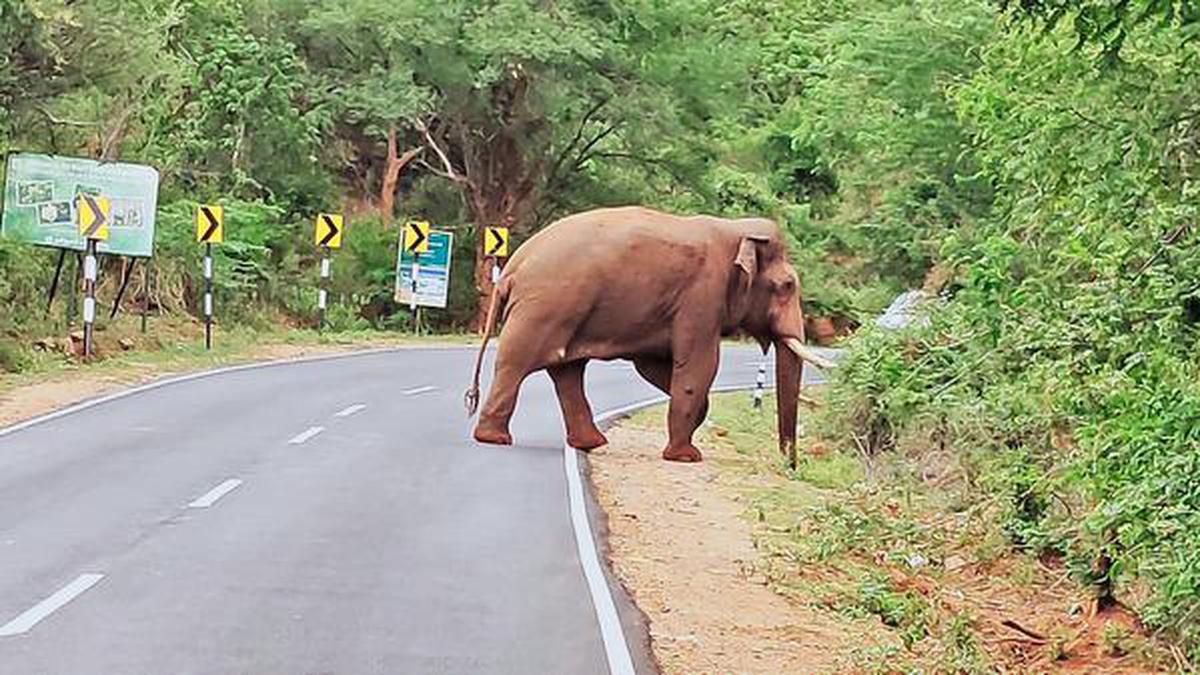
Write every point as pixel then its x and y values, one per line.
pixel 682 453
pixel 492 436
pixel 587 439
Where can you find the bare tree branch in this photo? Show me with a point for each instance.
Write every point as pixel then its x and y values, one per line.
pixel 448 171
pixel 583 122
pixel 438 172
pixel 64 122
pixel 584 155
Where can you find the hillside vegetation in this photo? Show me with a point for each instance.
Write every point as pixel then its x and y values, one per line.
pixel 827 116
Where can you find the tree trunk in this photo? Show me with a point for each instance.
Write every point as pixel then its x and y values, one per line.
pixel 391 175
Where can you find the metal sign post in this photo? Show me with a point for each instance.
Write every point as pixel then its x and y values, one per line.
pixel 146 271
pixel 93 213
pixel 760 383
pixel 208 296
pixel 416 274
pixel 210 229
pixel 89 296
pixel 323 289
pixel 328 235
pixel 416 242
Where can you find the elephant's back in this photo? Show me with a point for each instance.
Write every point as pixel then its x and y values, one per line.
pixel 593 238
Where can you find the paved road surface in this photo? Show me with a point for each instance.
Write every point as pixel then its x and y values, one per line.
pixel 323 517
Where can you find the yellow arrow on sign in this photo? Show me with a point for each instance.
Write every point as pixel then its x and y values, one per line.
pixel 329 230
pixel 210 224
pixel 416 236
pixel 94 214
pixel 495 241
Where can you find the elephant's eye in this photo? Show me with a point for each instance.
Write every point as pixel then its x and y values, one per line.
pixel 787 286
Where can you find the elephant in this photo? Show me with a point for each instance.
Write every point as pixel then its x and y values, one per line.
pixel 658 289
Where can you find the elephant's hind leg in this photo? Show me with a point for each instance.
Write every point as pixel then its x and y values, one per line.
pixel 512 367
pixel 582 432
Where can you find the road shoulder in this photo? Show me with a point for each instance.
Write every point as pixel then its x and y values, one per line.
pixel 682 547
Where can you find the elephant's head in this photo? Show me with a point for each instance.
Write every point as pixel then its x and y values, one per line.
pixel 764 302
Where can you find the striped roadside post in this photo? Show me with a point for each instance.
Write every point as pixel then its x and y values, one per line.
pixel 323 291
pixel 89 296
pixel 208 296
pixel 760 383
pixel 92 214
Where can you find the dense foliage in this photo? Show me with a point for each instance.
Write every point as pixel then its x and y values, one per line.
pixel 1063 367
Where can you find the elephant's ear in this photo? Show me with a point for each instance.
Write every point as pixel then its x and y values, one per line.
pixel 745 266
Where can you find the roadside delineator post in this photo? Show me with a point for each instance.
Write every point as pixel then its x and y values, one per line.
pixel 416 242
pixel 210 229
pixel 760 384
pixel 329 229
pixel 92 213
pixel 323 289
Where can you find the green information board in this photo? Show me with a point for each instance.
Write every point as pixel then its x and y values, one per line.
pixel 39 202
pixel 433 274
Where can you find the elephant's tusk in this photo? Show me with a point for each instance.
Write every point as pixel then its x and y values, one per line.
pixel 806 354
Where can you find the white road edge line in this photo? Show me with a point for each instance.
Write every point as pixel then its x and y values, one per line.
pixel 351 410
pixel 303 436
pixel 32 616
pixel 620 661
pixel 209 498
pixel 418 390
pixel 616 649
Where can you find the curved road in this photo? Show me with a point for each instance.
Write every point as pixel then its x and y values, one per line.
pixel 329 516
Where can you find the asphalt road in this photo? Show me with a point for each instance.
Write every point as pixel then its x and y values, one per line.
pixel 329 517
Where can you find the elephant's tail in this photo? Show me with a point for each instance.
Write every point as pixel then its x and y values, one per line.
pixel 471 398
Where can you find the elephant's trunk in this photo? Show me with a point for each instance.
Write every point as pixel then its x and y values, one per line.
pixel 789 368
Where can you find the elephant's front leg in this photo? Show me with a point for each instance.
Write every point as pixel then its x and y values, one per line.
pixel 657 371
pixel 582 432
pixel 692 375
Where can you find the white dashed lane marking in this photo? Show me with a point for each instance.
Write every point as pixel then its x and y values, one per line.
pixel 32 616
pixel 351 410
pixel 418 390
pixel 305 435
pixel 209 498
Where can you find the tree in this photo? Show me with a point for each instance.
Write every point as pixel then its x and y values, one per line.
pixel 510 99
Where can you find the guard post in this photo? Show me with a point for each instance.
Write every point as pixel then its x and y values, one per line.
pixel 416 242
pixel 93 213
pixel 329 228
pixel 210 229
pixel 760 384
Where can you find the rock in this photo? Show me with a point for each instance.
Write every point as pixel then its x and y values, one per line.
pixel 916 560
pixel 48 344
pixel 954 563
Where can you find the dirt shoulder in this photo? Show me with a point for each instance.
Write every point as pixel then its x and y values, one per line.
pixel 680 544
pixel 744 566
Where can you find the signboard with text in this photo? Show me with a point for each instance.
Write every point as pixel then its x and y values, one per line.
pixel 41 193
pixel 433 272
